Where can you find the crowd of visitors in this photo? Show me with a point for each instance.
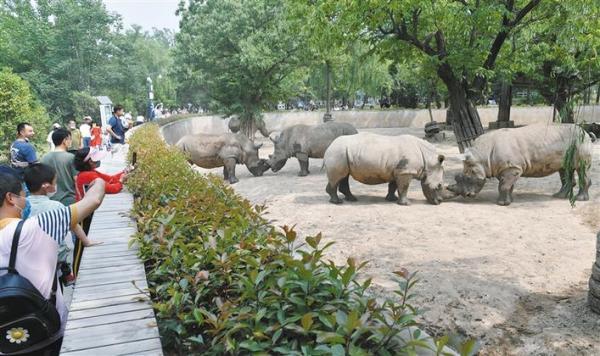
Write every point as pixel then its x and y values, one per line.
pixel 45 202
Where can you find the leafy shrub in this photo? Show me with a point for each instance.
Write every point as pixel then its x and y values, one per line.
pixel 17 104
pixel 224 281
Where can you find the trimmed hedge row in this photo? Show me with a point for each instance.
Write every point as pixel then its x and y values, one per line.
pixel 224 281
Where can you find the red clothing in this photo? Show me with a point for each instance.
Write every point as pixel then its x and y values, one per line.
pixel 113 183
pixel 96 136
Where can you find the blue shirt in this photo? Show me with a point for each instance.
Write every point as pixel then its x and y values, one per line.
pixel 22 153
pixel 117 127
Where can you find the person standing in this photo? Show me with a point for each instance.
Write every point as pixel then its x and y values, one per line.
pixel 75 136
pixel 55 126
pixel 37 249
pixel 86 132
pixel 96 135
pixel 22 152
pixel 115 127
pixel 62 162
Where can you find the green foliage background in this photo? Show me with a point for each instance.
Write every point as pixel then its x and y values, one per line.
pixel 18 104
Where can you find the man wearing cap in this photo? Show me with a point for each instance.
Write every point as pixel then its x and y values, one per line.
pixel 55 127
pixel 86 131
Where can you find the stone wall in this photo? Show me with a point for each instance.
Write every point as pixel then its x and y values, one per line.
pixel 277 121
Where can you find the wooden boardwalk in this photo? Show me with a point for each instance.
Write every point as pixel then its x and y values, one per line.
pixel 110 312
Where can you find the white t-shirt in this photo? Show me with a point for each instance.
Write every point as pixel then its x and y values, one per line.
pixel 86 130
pixel 37 253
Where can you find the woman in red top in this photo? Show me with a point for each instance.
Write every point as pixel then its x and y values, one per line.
pixel 86 161
pixel 96 135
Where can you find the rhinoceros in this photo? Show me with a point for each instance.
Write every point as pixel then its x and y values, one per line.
pixel 375 159
pixel 225 150
pixel 235 125
pixel 530 151
pixel 304 142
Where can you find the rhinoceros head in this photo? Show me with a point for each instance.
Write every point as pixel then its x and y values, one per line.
pixel 255 165
pixel 470 182
pixel 432 184
pixel 280 155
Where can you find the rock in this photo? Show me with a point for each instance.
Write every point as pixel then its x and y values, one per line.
pixel 501 124
pixel 436 138
pixel 594 303
pixel 432 128
pixel 596 271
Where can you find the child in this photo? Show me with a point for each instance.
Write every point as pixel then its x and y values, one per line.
pixel 96 135
pixel 41 182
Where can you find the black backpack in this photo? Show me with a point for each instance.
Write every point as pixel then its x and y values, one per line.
pixel 28 321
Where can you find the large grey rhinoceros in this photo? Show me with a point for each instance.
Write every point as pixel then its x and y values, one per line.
pixel 531 151
pixel 304 142
pixel 377 159
pixel 225 150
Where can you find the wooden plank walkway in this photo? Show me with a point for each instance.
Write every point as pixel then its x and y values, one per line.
pixel 109 314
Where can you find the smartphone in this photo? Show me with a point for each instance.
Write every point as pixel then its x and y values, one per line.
pixel 133 158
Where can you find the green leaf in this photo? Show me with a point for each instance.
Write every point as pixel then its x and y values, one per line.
pixel 341 318
pixel 330 338
pixel 307 321
pixel 338 350
pixel 353 322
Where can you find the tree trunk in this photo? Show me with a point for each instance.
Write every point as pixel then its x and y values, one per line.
pixel 598 95
pixel 564 108
pixel 327 116
pixel 505 102
pixel 465 118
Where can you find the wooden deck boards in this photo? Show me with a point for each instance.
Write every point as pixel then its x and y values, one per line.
pixel 110 312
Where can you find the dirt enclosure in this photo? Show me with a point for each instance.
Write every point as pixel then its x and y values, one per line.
pixel 513 277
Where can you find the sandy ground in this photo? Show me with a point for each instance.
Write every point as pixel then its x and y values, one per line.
pixel 513 277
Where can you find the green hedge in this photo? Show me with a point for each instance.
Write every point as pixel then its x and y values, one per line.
pixel 224 281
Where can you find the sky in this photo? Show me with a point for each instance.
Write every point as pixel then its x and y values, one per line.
pixel 146 13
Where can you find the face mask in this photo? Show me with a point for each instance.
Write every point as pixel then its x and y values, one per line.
pixel 26 210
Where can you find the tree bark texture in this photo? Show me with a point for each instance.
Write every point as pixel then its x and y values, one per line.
pixel 594 284
pixel 505 102
pixel 465 118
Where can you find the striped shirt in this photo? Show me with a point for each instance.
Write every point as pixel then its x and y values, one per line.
pixel 37 253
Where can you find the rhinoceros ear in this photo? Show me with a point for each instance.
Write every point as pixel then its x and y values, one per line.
pixel 441 158
pixel 258 146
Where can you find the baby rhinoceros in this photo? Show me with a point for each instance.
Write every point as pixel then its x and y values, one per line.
pixel 376 159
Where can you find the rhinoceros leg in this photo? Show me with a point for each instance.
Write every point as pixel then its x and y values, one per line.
pixel 564 191
pixel 225 173
pixel 229 167
pixel 391 195
pixel 402 182
pixel 583 194
pixel 332 191
pixel 507 179
pixel 345 189
pixel 303 160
